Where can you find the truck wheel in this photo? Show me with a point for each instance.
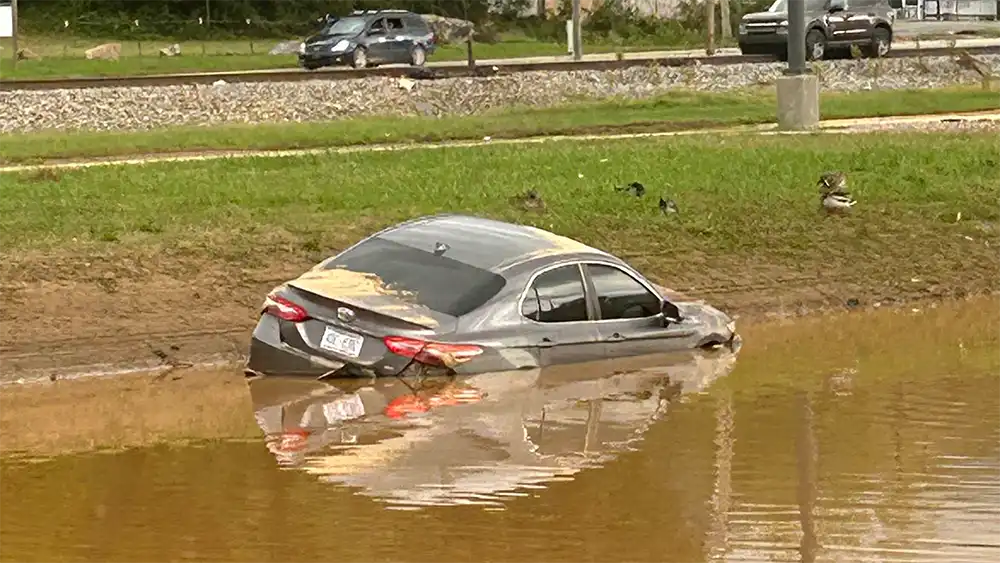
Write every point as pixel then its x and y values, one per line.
pixel 881 43
pixel 815 45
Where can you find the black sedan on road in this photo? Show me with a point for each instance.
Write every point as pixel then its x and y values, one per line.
pixel 467 295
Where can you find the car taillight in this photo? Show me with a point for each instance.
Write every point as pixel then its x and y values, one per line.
pixel 432 353
pixel 284 309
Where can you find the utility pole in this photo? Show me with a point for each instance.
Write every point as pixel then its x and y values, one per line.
pixel 208 13
pixel 13 28
pixel 796 38
pixel 798 89
pixel 577 39
pixel 727 24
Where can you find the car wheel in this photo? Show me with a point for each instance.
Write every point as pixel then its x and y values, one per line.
pixel 815 45
pixel 311 66
pixel 359 58
pixel 881 42
pixel 418 56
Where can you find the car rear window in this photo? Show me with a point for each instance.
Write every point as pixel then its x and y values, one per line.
pixel 439 283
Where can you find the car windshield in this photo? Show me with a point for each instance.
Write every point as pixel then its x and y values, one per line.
pixel 782 5
pixel 345 26
pixel 439 283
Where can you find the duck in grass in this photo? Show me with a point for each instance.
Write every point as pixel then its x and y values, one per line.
pixel 530 200
pixel 834 197
pixel 837 202
pixel 668 206
pixel 635 188
pixel 832 182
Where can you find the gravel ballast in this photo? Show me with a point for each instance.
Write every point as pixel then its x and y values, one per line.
pixel 141 108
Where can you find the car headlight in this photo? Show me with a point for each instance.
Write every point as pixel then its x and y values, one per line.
pixel 340 46
pixel 743 28
pixel 302 48
pixel 731 327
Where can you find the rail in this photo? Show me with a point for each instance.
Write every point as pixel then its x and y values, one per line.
pixel 439 70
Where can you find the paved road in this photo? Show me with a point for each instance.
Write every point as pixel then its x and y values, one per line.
pixel 829 125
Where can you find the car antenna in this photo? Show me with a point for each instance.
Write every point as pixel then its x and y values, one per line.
pixel 440 248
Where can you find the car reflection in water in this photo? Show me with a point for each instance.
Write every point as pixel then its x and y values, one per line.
pixel 477 439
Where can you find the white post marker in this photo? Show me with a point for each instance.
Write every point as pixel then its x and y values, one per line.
pixel 569 36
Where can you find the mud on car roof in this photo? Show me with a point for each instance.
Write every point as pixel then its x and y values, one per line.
pixel 480 242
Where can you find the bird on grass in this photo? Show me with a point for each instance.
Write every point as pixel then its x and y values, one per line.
pixel 834 197
pixel 837 202
pixel 635 188
pixel 530 200
pixel 668 206
pixel 832 182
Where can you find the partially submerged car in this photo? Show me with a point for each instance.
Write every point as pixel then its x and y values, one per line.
pixel 466 295
pixel 830 25
pixel 368 38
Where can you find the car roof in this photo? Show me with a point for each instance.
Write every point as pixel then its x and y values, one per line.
pixel 485 243
pixel 379 13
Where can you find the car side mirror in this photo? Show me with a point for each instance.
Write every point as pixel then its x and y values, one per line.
pixel 837 6
pixel 670 312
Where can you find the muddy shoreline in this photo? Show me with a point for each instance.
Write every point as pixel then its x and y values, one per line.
pixel 68 315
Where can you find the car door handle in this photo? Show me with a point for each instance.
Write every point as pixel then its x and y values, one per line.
pixel 616 337
pixel 546 343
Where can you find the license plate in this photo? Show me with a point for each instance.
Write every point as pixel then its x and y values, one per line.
pixel 345 408
pixel 341 343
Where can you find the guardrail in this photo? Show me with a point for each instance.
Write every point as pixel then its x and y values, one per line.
pixel 437 71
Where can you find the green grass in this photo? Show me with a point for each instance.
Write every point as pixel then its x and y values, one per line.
pixel 64 56
pixel 677 110
pixel 746 197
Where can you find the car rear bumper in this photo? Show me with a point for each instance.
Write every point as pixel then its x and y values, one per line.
pixel 270 355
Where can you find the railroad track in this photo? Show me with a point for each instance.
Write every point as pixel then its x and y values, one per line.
pixel 434 72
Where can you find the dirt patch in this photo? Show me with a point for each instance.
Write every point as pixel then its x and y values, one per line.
pixel 152 307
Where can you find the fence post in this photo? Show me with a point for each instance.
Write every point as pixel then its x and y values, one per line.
pixel 13 29
pixel 710 27
pixel 250 34
pixel 204 33
pixel 138 42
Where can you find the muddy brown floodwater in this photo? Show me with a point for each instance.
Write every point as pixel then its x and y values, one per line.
pixel 857 437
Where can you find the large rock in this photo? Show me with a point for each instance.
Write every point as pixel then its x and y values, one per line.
pixel 106 52
pixel 171 50
pixel 285 48
pixel 449 30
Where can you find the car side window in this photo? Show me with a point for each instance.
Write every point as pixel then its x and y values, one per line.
pixel 556 296
pixel 378 25
pixel 416 24
pixel 395 24
pixel 621 296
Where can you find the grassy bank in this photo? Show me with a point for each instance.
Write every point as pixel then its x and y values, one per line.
pixel 678 110
pixel 737 194
pixel 63 57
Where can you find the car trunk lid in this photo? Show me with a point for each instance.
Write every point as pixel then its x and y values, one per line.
pixel 350 314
